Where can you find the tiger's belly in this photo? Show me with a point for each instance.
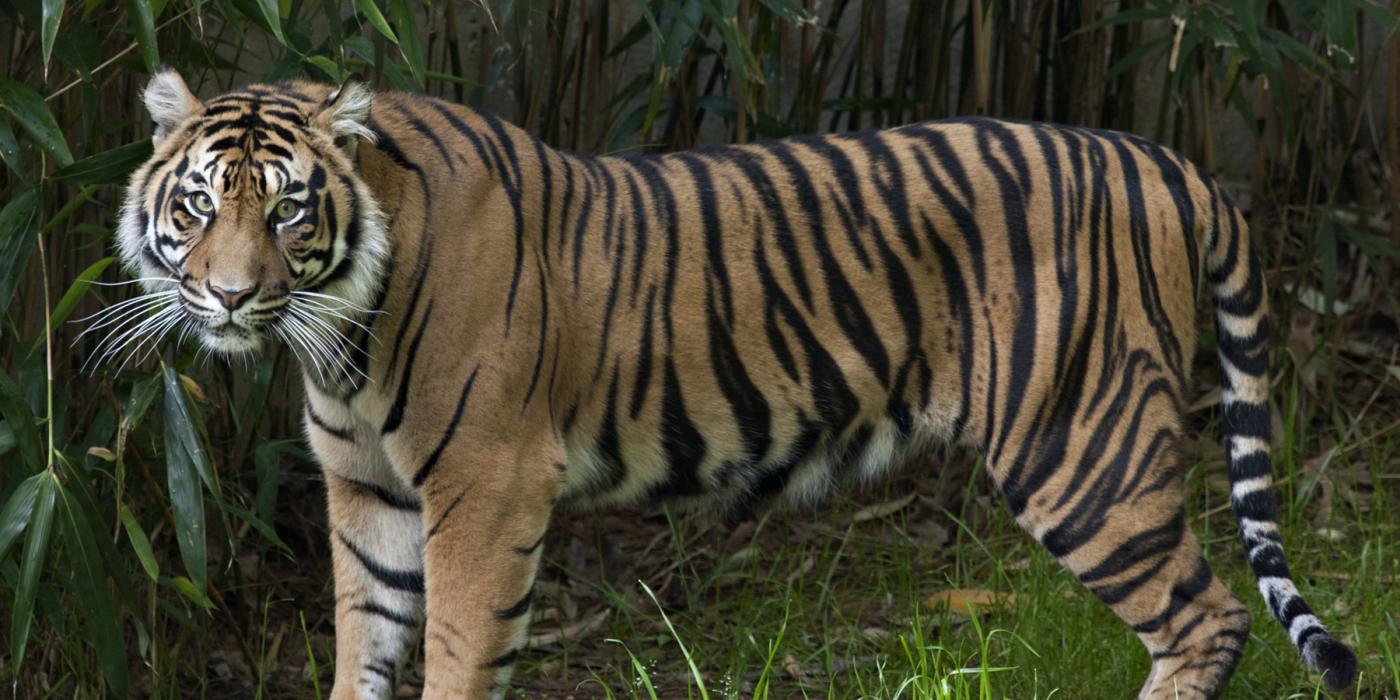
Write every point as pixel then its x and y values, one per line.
pixel 794 440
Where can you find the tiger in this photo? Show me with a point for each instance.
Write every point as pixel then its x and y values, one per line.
pixel 489 330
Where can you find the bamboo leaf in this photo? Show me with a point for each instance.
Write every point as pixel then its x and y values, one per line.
pixel 9 145
pixel 19 221
pixel 48 29
pixel 80 287
pixel 272 14
pixel 191 591
pixel 182 457
pixel 7 438
pixel 21 421
pixel 143 25
pixel 29 109
pixel 36 546
pixel 139 401
pixel 1341 31
pixel 1132 16
pixel 326 66
pixel 97 612
pixel 110 167
pixel 410 41
pixel 140 543
pixel 14 517
pixel 376 19
pixel 789 11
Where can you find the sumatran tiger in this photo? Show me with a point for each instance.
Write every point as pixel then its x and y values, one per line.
pixel 490 329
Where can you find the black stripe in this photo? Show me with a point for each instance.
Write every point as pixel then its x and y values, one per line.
pixel 379 668
pixel 771 204
pixel 527 551
pixel 610 443
pixel 714 238
pixel 422 474
pixel 642 380
pixel 456 501
pixel 843 298
pixel 519 608
pixel 540 262
pixel 746 400
pixel 395 417
pixel 399 580
pixel 959 211
pixel 316 420
pixel 391 499
pixel 680 440
pixel 512 187
pixel 503 660
pixel 832 396
pixel 382 612
pixel 1148 290
pixel 424 130
pixel 1182 594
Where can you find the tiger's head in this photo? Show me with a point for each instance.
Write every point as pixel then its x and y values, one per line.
pixel 250 221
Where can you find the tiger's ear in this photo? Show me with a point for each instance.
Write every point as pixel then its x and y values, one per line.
pixel 344 115
pixel 169 101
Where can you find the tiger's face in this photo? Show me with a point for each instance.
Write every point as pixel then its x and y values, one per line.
pixel 250 222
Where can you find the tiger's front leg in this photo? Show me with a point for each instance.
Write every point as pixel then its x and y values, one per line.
pixel 376 545
pixel 485 511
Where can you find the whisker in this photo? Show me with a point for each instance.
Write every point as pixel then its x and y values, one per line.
pixel 339 300
pixel 321 323
pixel 332 336
pixel 134 281
pixel 127 303
pixel 296 330
pixel 122 335
pixel 318 306
pixel 130 336
pixel 150 342
pixel 125 324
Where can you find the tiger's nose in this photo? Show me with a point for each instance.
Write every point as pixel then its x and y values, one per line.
pixel 232 298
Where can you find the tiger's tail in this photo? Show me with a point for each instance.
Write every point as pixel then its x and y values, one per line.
pixel 1237 278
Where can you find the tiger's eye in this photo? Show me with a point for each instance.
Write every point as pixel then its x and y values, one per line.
pixel 203 203
pixel 286 209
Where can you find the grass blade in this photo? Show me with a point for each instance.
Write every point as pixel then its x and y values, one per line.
pixel 694 670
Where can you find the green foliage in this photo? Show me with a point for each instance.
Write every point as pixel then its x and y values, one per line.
pixel 129 490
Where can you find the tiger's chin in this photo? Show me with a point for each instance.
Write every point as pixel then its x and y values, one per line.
pixel 231 340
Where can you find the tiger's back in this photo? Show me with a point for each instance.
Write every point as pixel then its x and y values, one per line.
pixel 730 324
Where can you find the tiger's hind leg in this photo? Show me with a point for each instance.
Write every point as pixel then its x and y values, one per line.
pixel 1115 517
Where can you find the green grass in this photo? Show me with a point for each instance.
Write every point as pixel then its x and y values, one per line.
pixel 808 607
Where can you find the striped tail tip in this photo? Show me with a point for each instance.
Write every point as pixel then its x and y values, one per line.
pixel 1332 659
